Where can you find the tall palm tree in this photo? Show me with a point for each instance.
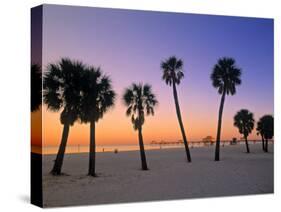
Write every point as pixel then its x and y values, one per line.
pixel 140 101
pixel 36 87
pixel 172 75
pixel 266 129
pixel 225 77
pixel 62 93
pixel 244 121
pixel 97 96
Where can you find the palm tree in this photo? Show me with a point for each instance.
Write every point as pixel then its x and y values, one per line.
pixel 36 87
pixel 62 93
pixel 266 129
pixel 244 121
pixel 259 130
pixel 225 77
pixel 140 101
pixel 97 97
pixel 172 75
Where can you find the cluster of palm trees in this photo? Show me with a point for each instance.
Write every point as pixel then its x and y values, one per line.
pixel 225 77
pixel 265 128
pixel 245 122
pixel 84 93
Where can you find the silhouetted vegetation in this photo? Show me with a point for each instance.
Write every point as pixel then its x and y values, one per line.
pixel 225 77
pixel 259 130
pixel 97 96
pixel 244 121
pixel 36 87
pixel 266 129
pixel 84 93
pixel 172 75
pixel 62 93
pixel 140 101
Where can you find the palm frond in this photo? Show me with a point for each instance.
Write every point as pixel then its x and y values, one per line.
pixel 97 95
pixel 139 99
pixel 172 70
pixel 226 76
pixel 244 121
pixel 265 126
pixel 61 88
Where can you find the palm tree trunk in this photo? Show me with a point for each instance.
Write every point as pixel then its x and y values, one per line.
pixel 263 146
pixel 217 152
pixel 180 122
pixel 142 151
pixel 266 145
pixel 60 155
pixel 247 145
pixel 92 152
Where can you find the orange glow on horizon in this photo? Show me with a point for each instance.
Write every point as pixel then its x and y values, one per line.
pixel 115 128
pixel 36 128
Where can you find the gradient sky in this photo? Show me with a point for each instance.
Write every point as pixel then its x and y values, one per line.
pixel 129 46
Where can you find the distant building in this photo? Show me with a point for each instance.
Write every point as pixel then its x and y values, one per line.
pixel 208 139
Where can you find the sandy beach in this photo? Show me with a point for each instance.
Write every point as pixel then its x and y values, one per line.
pixel 121 180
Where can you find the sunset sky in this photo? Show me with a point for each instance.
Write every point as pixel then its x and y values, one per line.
pixel 130 45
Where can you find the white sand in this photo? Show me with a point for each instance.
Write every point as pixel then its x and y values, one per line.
pixel 170 176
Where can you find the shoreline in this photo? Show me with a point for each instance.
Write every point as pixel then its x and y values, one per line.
pixel 74 149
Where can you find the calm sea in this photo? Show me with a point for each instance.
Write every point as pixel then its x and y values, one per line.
pixel 118 148
pixel 101 148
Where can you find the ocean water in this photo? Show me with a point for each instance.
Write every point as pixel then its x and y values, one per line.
pixel 105 148
pixel 119 148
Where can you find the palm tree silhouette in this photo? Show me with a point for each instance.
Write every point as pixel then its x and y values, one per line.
pixel 36 87
pixel 97 96
pixel 244 121
pixel 225 77
pixel 260 132
pixel 62 92
pixel 140 101
pixel 266 129
pixel 172 75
